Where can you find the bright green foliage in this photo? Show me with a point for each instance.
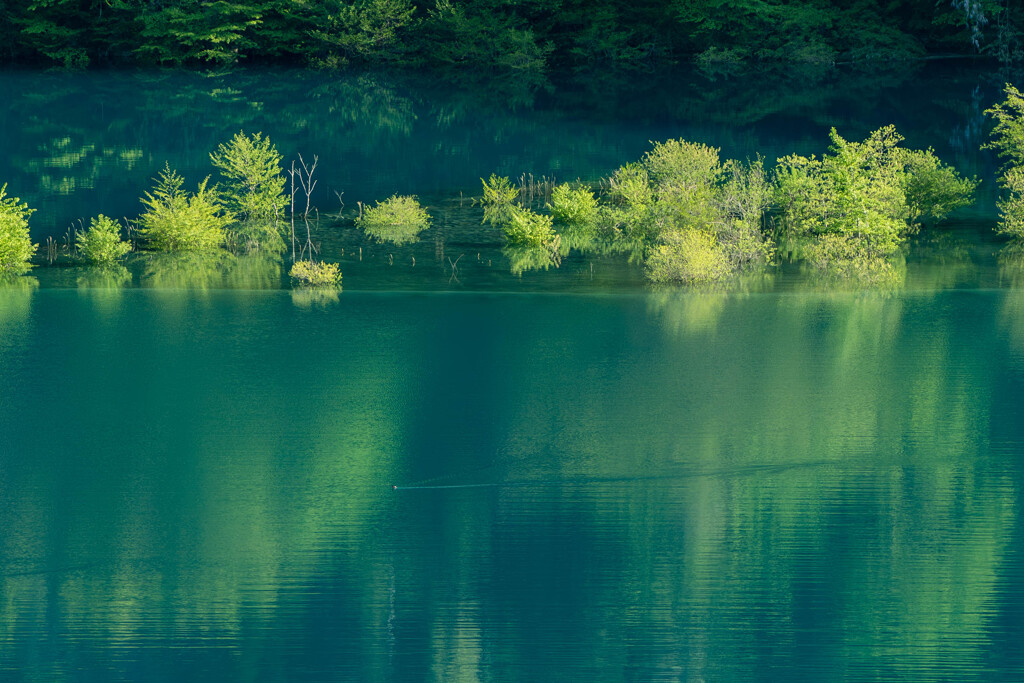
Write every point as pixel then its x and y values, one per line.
pixel 398 219
pixel 742 198
pixel 254 180
pixel 687 256
pixel 933 189
pixel 101 243
pixel 315 273
pixel 16 246
pixel 872 191
pixel 685 177
pixel 178 221
pixel 528 228
pixel 1011 206
pixel 1008 135
pixel 856 190
pixel 681 196
pixel 573 206
pixel 499 199
pixel 633 200
pixel 1008 140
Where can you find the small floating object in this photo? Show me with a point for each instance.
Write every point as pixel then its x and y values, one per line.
pixel 394 487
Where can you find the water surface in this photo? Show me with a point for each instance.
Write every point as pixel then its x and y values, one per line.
pixel 681 486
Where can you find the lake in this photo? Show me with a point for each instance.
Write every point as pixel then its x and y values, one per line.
pixel 447 471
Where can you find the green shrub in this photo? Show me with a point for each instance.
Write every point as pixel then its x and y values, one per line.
pixel 398 219
pixel 254 181
pixel 499 199
pixel 178 221
pixel 101 244
pixel 315 273
pixel 573 206
pixel 633 200
pixel 687 256
pixel 741 201
pixel 872 191
pixel 528 228
pixel 856 190
pixel 1008 134
pixel 1011 206
pixel 933 189
pixel 16 246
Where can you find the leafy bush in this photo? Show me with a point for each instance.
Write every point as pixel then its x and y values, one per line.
pixel 741 201
pixel 873 191
pixel 1011 206
pixel 398 219
pixel 101 243
pixel 254 181
pixel 1008 140
pixel 687 256
pixel 856 190
pixel 1008 134
pixel 933 189
pixel 499 199
pixel 315 273
pixel 630 190
pixel 573 206
pixel 178 221
pixel 16 246
pixel 528 228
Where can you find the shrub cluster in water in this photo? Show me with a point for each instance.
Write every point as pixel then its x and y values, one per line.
pixel 398 219
pixel 695 218
pixel 16 246
pixel 688 215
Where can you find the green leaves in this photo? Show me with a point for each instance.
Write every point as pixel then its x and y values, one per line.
pixel 254 179
pixel 398 219
pixel 178 221
pixel 872 191
pixel 16 246
pixel 1008 141
pixel 101 244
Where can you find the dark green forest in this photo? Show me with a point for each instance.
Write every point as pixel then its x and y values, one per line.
pixel 503 34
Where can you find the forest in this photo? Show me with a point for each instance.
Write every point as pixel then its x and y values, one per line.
pixel 503 35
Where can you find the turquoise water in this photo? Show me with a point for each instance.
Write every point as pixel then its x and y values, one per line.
pixel 447 471
pixel 681 486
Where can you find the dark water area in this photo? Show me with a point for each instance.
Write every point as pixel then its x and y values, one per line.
pixel 781 478
pixel 800 486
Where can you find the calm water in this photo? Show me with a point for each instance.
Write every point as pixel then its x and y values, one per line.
pixel 772 481
pixel 679 486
